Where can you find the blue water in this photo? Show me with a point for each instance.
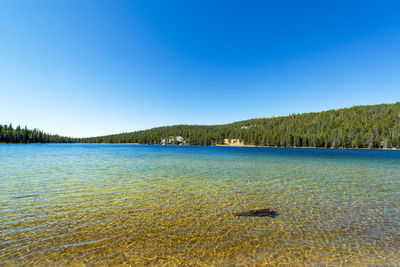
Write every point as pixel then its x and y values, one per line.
pixel 75 204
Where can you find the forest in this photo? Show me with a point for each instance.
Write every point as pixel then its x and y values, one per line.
pixel 376 126
pixel 8 134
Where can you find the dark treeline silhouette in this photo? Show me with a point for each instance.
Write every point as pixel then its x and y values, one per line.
pixel 8 134
pixel 375 126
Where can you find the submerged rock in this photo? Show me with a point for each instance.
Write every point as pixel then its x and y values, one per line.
pixel 258 213
pixel 25 196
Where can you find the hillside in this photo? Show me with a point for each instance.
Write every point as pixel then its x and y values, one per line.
pixel 376 126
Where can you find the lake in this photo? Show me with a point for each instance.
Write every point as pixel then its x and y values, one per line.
pixel 75 204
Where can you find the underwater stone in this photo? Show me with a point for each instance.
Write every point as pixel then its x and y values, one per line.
pixel 258 213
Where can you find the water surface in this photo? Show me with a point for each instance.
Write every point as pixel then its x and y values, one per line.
pixel 121 204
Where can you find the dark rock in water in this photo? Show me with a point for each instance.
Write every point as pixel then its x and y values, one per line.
pixel 25 196
pixel 258 213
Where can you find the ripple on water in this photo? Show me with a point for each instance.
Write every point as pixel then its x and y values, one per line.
pixel 104 205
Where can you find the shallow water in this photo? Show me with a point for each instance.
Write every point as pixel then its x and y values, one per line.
pixel 122 204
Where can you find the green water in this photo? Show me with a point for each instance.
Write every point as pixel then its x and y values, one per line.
pixel 77 205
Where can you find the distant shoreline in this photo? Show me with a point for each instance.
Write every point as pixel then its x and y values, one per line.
pixel 345 128
pixel 218 145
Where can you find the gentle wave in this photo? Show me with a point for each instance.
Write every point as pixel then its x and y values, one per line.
pixel 141 205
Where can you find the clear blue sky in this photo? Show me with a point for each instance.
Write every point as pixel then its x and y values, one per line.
pixel 87 68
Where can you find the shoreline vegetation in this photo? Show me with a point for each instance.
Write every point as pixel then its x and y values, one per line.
pixel 359 127
pixel 218 145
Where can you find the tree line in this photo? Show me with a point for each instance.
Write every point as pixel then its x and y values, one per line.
pixel 375 126
pixel 8 134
